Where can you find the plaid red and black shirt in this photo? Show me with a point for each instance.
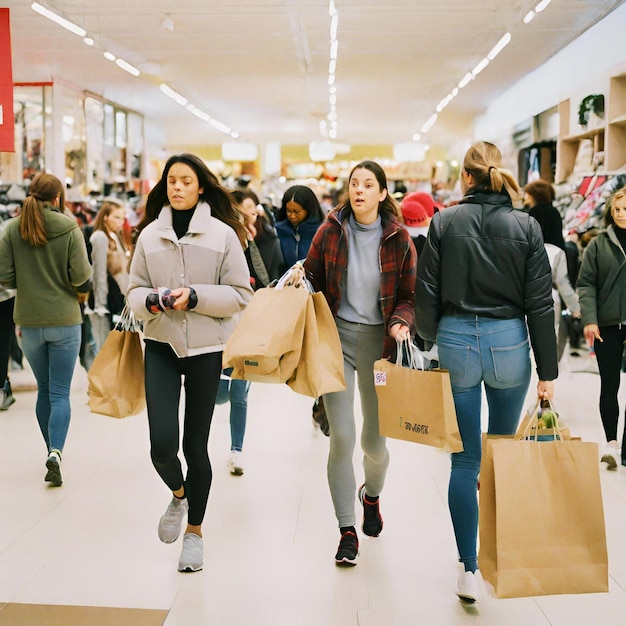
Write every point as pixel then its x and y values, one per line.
pixel 327 262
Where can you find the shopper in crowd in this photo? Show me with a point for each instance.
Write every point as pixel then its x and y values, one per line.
pixel 265 263
pixel 297 221
pixel 264 254
pixel 416 219
pixel 539 196
pixel 188 281
pixel 7 332
pixel 109 258
pixel 483 277
pixel 373 310
pixel 602 291
pixel 43 255
pixel 538 199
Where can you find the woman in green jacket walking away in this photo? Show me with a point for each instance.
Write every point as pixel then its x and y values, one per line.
pixel 601 289
pixel 43 255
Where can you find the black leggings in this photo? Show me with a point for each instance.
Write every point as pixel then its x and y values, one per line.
pixel 7 331
pixel 163 386
pixel 609 356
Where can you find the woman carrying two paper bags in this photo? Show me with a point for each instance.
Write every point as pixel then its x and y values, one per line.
pixel 364 262
pixel 484 284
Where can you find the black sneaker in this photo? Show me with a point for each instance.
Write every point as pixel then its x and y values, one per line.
pixel 372 520
pixel 348 549
pixel 53 465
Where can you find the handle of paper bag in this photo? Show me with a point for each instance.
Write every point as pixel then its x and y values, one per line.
pixel 128 321
pixel 295 277
pixel 414 355
pixel 526 434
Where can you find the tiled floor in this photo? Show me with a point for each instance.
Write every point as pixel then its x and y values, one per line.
pixel 270 535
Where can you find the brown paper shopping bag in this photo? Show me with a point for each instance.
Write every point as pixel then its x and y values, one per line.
pixel 266 343
pixel 416 405
pixel 541 518
pixel 116 376
pixel 320 368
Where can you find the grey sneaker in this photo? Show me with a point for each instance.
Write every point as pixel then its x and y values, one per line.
pixel 192 555
pixel 6 399
pixel 53 464
pixel 172 520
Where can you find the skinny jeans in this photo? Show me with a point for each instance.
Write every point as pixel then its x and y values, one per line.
pixel 361 345
pixel 52 352
pixel 164 373
pixel 236 391
pixel 480 351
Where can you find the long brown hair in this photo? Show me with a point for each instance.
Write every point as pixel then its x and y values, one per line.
pixel 107 207
pixel 214 194
pixel 44 189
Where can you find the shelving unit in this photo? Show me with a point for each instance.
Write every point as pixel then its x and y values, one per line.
pixel 616 132
pixel 609 137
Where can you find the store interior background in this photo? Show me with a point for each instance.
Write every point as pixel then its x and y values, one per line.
pixel 261 71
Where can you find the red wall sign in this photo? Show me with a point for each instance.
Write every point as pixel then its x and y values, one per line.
pixel 7 125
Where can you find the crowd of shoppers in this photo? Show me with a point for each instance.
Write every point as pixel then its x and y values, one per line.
pixel 389 272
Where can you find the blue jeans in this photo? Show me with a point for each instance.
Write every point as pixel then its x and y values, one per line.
pixel 52 352
pixel 237 392
pixel 480 350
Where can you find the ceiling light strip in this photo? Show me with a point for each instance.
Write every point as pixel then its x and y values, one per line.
pixel 469 76
pixel 332 68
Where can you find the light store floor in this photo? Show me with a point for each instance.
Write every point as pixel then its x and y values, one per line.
pixel 88 552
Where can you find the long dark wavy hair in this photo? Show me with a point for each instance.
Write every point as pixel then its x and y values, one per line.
pixel 214 194
pixel 388 209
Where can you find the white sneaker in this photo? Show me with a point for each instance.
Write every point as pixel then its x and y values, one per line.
pixel 611 458
pixel 235 463
pixel 467 587
pixel 192 555
pixel 172 520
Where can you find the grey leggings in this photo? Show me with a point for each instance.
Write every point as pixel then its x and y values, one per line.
pixel 361 345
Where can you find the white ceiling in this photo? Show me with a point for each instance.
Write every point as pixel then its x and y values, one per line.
pixel 261 66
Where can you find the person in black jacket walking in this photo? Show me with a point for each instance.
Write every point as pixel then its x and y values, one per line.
pixel 602 293
pixel 483 276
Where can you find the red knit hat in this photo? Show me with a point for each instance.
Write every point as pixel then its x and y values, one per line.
pixel 413 211
pixel 426 200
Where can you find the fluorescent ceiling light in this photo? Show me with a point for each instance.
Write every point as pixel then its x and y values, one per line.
pixel 542 5
pixel 219 126
pixel 466 79
pixel 334 23
pixel 61 21
pixel 332 66
pixel 127 67
pixel 89 41
pixel 168 91
pixel 529 17
pixel 495 51
pixel 333 48
pixel 429 123
pixel 480 67
pixel 109 56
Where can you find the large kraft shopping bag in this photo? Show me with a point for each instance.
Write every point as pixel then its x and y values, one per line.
pixel 267 341
pixel 541 518
pixel 320 368
pixel 116 376
pixel 416 405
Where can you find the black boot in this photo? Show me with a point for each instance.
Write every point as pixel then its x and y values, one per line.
pixel 6 396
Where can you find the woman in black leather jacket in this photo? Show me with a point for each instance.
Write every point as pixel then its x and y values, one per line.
pixel 482 277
